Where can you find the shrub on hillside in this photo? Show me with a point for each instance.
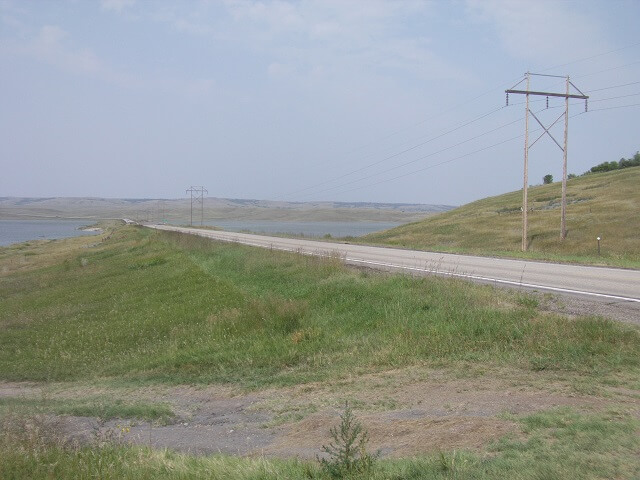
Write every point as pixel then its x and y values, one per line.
pixel 622 163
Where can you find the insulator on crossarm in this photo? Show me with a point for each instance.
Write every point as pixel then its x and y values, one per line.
pixel 507 100
pixel 547 102
pixel 586 104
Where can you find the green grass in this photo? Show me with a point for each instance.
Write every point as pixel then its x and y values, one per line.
pixel 145 307
pixel 605 205
pixel 150 306
pixel 103 408
pixel 556 444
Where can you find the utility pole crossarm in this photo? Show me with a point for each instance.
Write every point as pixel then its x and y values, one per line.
pixel 549 94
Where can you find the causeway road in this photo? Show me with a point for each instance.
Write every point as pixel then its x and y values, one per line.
pixel 608 284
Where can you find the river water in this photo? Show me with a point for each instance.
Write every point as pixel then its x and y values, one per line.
pixel 16 231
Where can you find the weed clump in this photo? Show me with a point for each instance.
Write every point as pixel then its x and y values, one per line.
pixel 347 454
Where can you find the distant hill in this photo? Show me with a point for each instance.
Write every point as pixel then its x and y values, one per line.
pixel 178 210
pixel 599 204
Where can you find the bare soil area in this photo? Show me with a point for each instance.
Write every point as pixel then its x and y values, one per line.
pixel 406 412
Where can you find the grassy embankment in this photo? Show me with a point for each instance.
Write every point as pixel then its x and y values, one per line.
pixel 146 307
pixel 605 205
pixel 560 444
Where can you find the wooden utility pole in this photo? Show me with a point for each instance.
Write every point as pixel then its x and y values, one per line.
pixel 525 188
pixel 563 218
pixel 566 95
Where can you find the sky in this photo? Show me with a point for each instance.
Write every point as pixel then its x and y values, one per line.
pixel 327 100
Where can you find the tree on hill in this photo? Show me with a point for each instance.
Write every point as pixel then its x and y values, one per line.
pixel 623 163
pixel 547 179
pixel 630 162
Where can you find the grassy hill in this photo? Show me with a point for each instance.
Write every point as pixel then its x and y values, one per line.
pixel 101 323
pixel 177 211
pixel 604 204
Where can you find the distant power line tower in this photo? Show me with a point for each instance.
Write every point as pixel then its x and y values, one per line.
pixel 197 195
pixel 566 95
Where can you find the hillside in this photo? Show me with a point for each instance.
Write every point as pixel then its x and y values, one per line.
pixel 178 210
pixel 604 204
pixel 119 351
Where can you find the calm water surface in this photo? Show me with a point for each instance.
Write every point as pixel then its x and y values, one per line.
pixel 16 231
pixel 308 229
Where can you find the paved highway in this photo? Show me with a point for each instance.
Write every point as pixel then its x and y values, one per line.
pixel 597 282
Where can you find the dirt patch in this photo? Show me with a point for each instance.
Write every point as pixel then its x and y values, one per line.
pixel 394 435
pixel 406 412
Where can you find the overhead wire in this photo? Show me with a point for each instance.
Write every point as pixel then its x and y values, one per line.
pixel 591 57
pixel 452 146
pixel 617 106
pixel 615 98
pixel 413 172
pixel 422 122
pixel 421 158
pixel 397 154
pixel 448 110
pixel 428 167
pixel 608 69
pixel 416 159
pixel 614 86
pixel 413 147
pixel 449 148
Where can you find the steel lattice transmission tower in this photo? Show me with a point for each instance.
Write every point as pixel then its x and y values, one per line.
pixel 566 95
pixel 197 195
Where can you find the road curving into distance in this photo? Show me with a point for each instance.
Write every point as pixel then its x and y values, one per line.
pixel 614 284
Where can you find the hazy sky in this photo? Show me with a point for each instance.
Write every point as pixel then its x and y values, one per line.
pixel 387 101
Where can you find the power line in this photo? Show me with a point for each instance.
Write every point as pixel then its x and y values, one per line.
pixel 428 167
pixel 614 86
pixel 396 154
pixel 413 147
pixel 409 127
pixel 197 195
pixel 611 108
pixel 311 187
pixel 441 151
pixel 415 160
pixel 600 100
pixel 591 57
pixel 461 156
pixel 413 172
pixel 615 98
pixel 473 99
pixel 608 69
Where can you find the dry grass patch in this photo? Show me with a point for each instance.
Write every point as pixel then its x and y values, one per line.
pixel 605 205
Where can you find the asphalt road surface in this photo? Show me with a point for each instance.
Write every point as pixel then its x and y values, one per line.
pixel 599 283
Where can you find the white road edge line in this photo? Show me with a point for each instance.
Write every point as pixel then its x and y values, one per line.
pixel 497 280
pixel 425 270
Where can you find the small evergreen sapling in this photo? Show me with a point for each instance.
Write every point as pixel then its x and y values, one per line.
pixel 347 454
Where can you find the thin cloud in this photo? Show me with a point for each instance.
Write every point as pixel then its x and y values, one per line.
pixel 339 36
pixel 116 5
pixel 54 46
pixel 193 23
pixel 51 46
pixel 539 31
